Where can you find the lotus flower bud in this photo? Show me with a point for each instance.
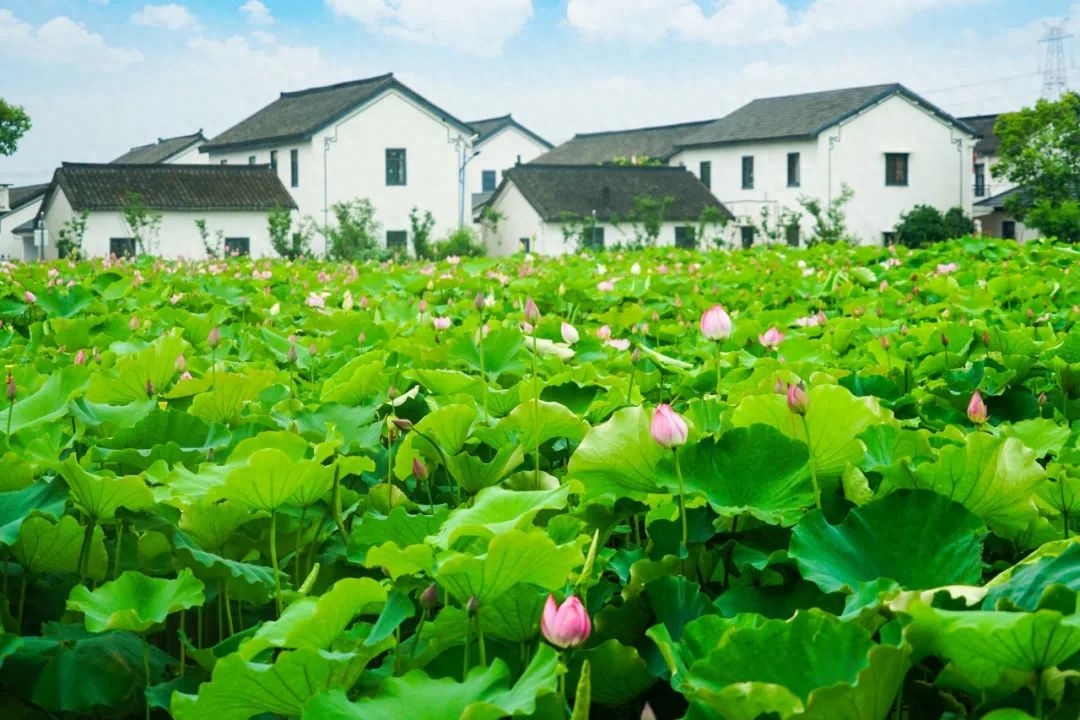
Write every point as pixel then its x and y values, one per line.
pixel 290 357
pixel 403 424
pixel 213 339
pixel 716 324
pixel 976 409
pixel 133 324
pixel 667 428
pixel 1042 399
pixel 478 302
pixel 419 469
pixel 532 312
pixel 569 333
pixel 771 338
pixel 12 389
pixel 797 399
pixel 150 391
pixel 944 340
pixel 566 625
pixel 29 297
pixel 647 712
pixel 429 599
pixel 472 606
pixel 80 357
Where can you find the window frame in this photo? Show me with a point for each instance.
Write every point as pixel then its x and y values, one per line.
pixel 252 159
pixel 229 242
pixel 525 244
pixel 747 166
pixel 400 166
pixel 979 184
pixel 1011 234
pixel 273 160
pixel 747 236
pixel 705 173
pixel 593 242
pixel 129 241
pixel 403 245
pixel 294 168
pixel 891 160
pixel 793 231
pixel 794 171
pixel 686 237
pixel 485 177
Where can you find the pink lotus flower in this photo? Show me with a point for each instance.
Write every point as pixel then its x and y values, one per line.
pixel 441 323
pixel 532 312
pixel 946 268
pixel 213 337
pixel 29 297
pixel 181 362
pixel 647 712
pixel 603 332
pixel 716 323
pixel 620 344
pixel 772 338
pixel 566 625
pixel 668 428
pixel 80 357
pixel 605 286
pixel 419 469
pixel 797 400
pixel 315 300
pixel 569 333
pixel 133 324
pixel 976 409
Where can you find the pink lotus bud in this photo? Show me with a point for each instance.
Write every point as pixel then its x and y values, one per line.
pixel 635 357
pixel 150 391
pixel 780 388
pixel 532 312
pixel 1042 399
pixel 566 625
pixel 213 339
pixel 181 363
pixel 419 469
pixel 771 338
pixel 291 356
pixel 944 340
pixel 472 606
pixel 80 357
pixel 441 323
pixel 884 342
pixel 478 302
pixel 313 349
pixel 423 306
pixel 402 424
pixel 667 428
pixel 797 401
pixel 603 332
pixel 11 389
pixel 430 597
pixel 976 409
pixel 29 297
pixel 569 333
pixel 133 324
pixel 985 338
pixel 647 712
pixel 716 324
pixel 185 375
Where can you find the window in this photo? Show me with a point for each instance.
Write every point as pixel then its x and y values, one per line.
pixel 273 160
pixel 980 179
pixel 746 234
pixel 224 162
pixel 251 159
pixel 397 240
pixel 235 246
pixel 294 168
pixel 888 238
pixel 748 172
pixel 593 238
pixel 793 170
pixel 791 234
pixel 487 181
pixel 122 247
pixel 684 236
pixel 524 243
pixel 395 166
pixel 1008 229
pixel 705 173
pixel 896 168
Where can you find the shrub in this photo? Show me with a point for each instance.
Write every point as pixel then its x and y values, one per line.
pixel 420 227
pixel 70 240
pixel 830 221
pixel 925 225
pixel 356 234
pixel 289 245
pixel 463 242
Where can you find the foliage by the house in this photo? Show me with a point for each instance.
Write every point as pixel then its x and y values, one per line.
pixel 143 223
pixel 830 219
pixel 420 227
pixel 14 123
pixel 70 236
pixel 285 242
pixel 462 242
pixel 354 234
pixel 924 225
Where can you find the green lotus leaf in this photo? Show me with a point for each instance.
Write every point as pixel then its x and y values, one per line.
pixel 618 457
pixel 995 478
pixel 246 581
pixel 754 470
pixel 46 498
pixel 360 382
pixel 473 474
pixel 134 601
pixel 698 638
pixel 270 479
pixel 504 352
pixel 170 434
pixel 397 609
pixel 835 419
pixel 1026 586
pixel 512 557
pixel 1007 714
pixel 484 695
pixel 210 524
pixel 48 403
pixel 8 645
pixel 151 368
pixel 439 381
pixel 619 673
pixel 397 561
pixel 239 690
pixel 448 426
pixel 399 527
pixel 1042 435
pixel 65 303
pixel 314 623
pixel 230 395
pixel 514 616
pixel 100 496
pixel 495 510
pixel 675 601
pixel 45 546
pixel 916 538
pixel 535 422
pixel 811 666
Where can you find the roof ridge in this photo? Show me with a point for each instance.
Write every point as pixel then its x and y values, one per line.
pixel 596 166
pixel 878 86
pixel 672 126
pixel 507 116
pixel 161 167
pixel 337 86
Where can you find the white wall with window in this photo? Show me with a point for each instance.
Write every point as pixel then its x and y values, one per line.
pixel 499 153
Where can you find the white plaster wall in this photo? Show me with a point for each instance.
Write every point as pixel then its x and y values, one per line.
pixel 11 246
pixel 57 214
pixel 991 226
pixel 520 220
pixel 994 186
pixel 191 156
pixel 500 153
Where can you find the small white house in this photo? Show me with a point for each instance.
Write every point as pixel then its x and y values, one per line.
pixel 637 146
pixel 989 192
pixel 179 150
pixel 893 149
pixel 500 144
pixel 558 209
pixel 19 206
pixel 233 202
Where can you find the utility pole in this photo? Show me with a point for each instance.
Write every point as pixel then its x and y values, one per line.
pixel 1055 71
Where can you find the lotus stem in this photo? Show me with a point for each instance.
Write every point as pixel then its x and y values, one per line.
pixel 84 552
pixel 536 399
pixel 483 371
pixel 117 549
pixel 719 359
pixel 22 601
pixel 630 389
pixel 146 672
pixel 682 499
pixel 442 459
pixel 480 642
pixel 228 608
pixel 813 464
pixel 183 645
pixel 274 562
pixel 468 640
pixel 299 540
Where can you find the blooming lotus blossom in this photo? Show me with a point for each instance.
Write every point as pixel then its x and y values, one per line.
pixel 441 323
pixel 605 286
pixel 976 409
pixel 566 625
pixel 570 334
pixel 620 344
pixel 667 427
pixel 946 268
pixel 80 357
pixel 771 338
pixel 716 323
pixel 316 300
pixel 603 332
pixel 453 259
pixel 635 269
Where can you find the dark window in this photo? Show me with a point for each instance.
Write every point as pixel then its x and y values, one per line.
pixel 237 246
pixel 705 173
pixel 593 238
pixel 1008 229
pixel 487 181
pixel 273 160
pixel 251 159
pixel 793 173
pixel 888 238
pixel 395 166
pixel 746 234
pixel 791 233
pixel 122 247
pixel 294 168
pixel 524 243
pixel 748 172
pixel 896 168
pixel 224 162
pixel 684 236
pixel 980 179
pixel 397 240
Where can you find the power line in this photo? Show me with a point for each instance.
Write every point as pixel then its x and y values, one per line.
pixel 980 83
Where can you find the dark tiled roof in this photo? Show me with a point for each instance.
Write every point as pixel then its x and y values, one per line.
pixel 490 126
pixel 997 202
pixel 984 127
pixel 27 228
pixel 609 190
pixel 24 195
pixel 160 151
pixel 657 143
pixel 298 115
pixel 803 116
pixel 172 187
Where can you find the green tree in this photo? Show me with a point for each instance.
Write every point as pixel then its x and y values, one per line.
pixel 142 222
pixel 70 238
pixel 1040 152
pixel 710 227
pixel 462 243
pixel 14 123
pixel 355 236
pixel 924 225
pixel 420 227
pixel 830 219
pixel 289 245
pixel 648 218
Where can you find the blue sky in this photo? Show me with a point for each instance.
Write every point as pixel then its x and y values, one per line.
pixel 98 76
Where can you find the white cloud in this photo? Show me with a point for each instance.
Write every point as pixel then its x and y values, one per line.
pixel 737 22
pixel 169 17
pixel 257 12
pixel 58 41
pixel 476 27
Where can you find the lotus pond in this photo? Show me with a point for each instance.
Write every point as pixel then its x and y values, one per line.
pixel 236 489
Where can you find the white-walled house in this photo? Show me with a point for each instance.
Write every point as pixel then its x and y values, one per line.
pixel 989 192
pixel 557 209
pixel 19 206
pixel 635 146
pixel 233 202
pixel 891 147
pixel 179 150
pixel 500 144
